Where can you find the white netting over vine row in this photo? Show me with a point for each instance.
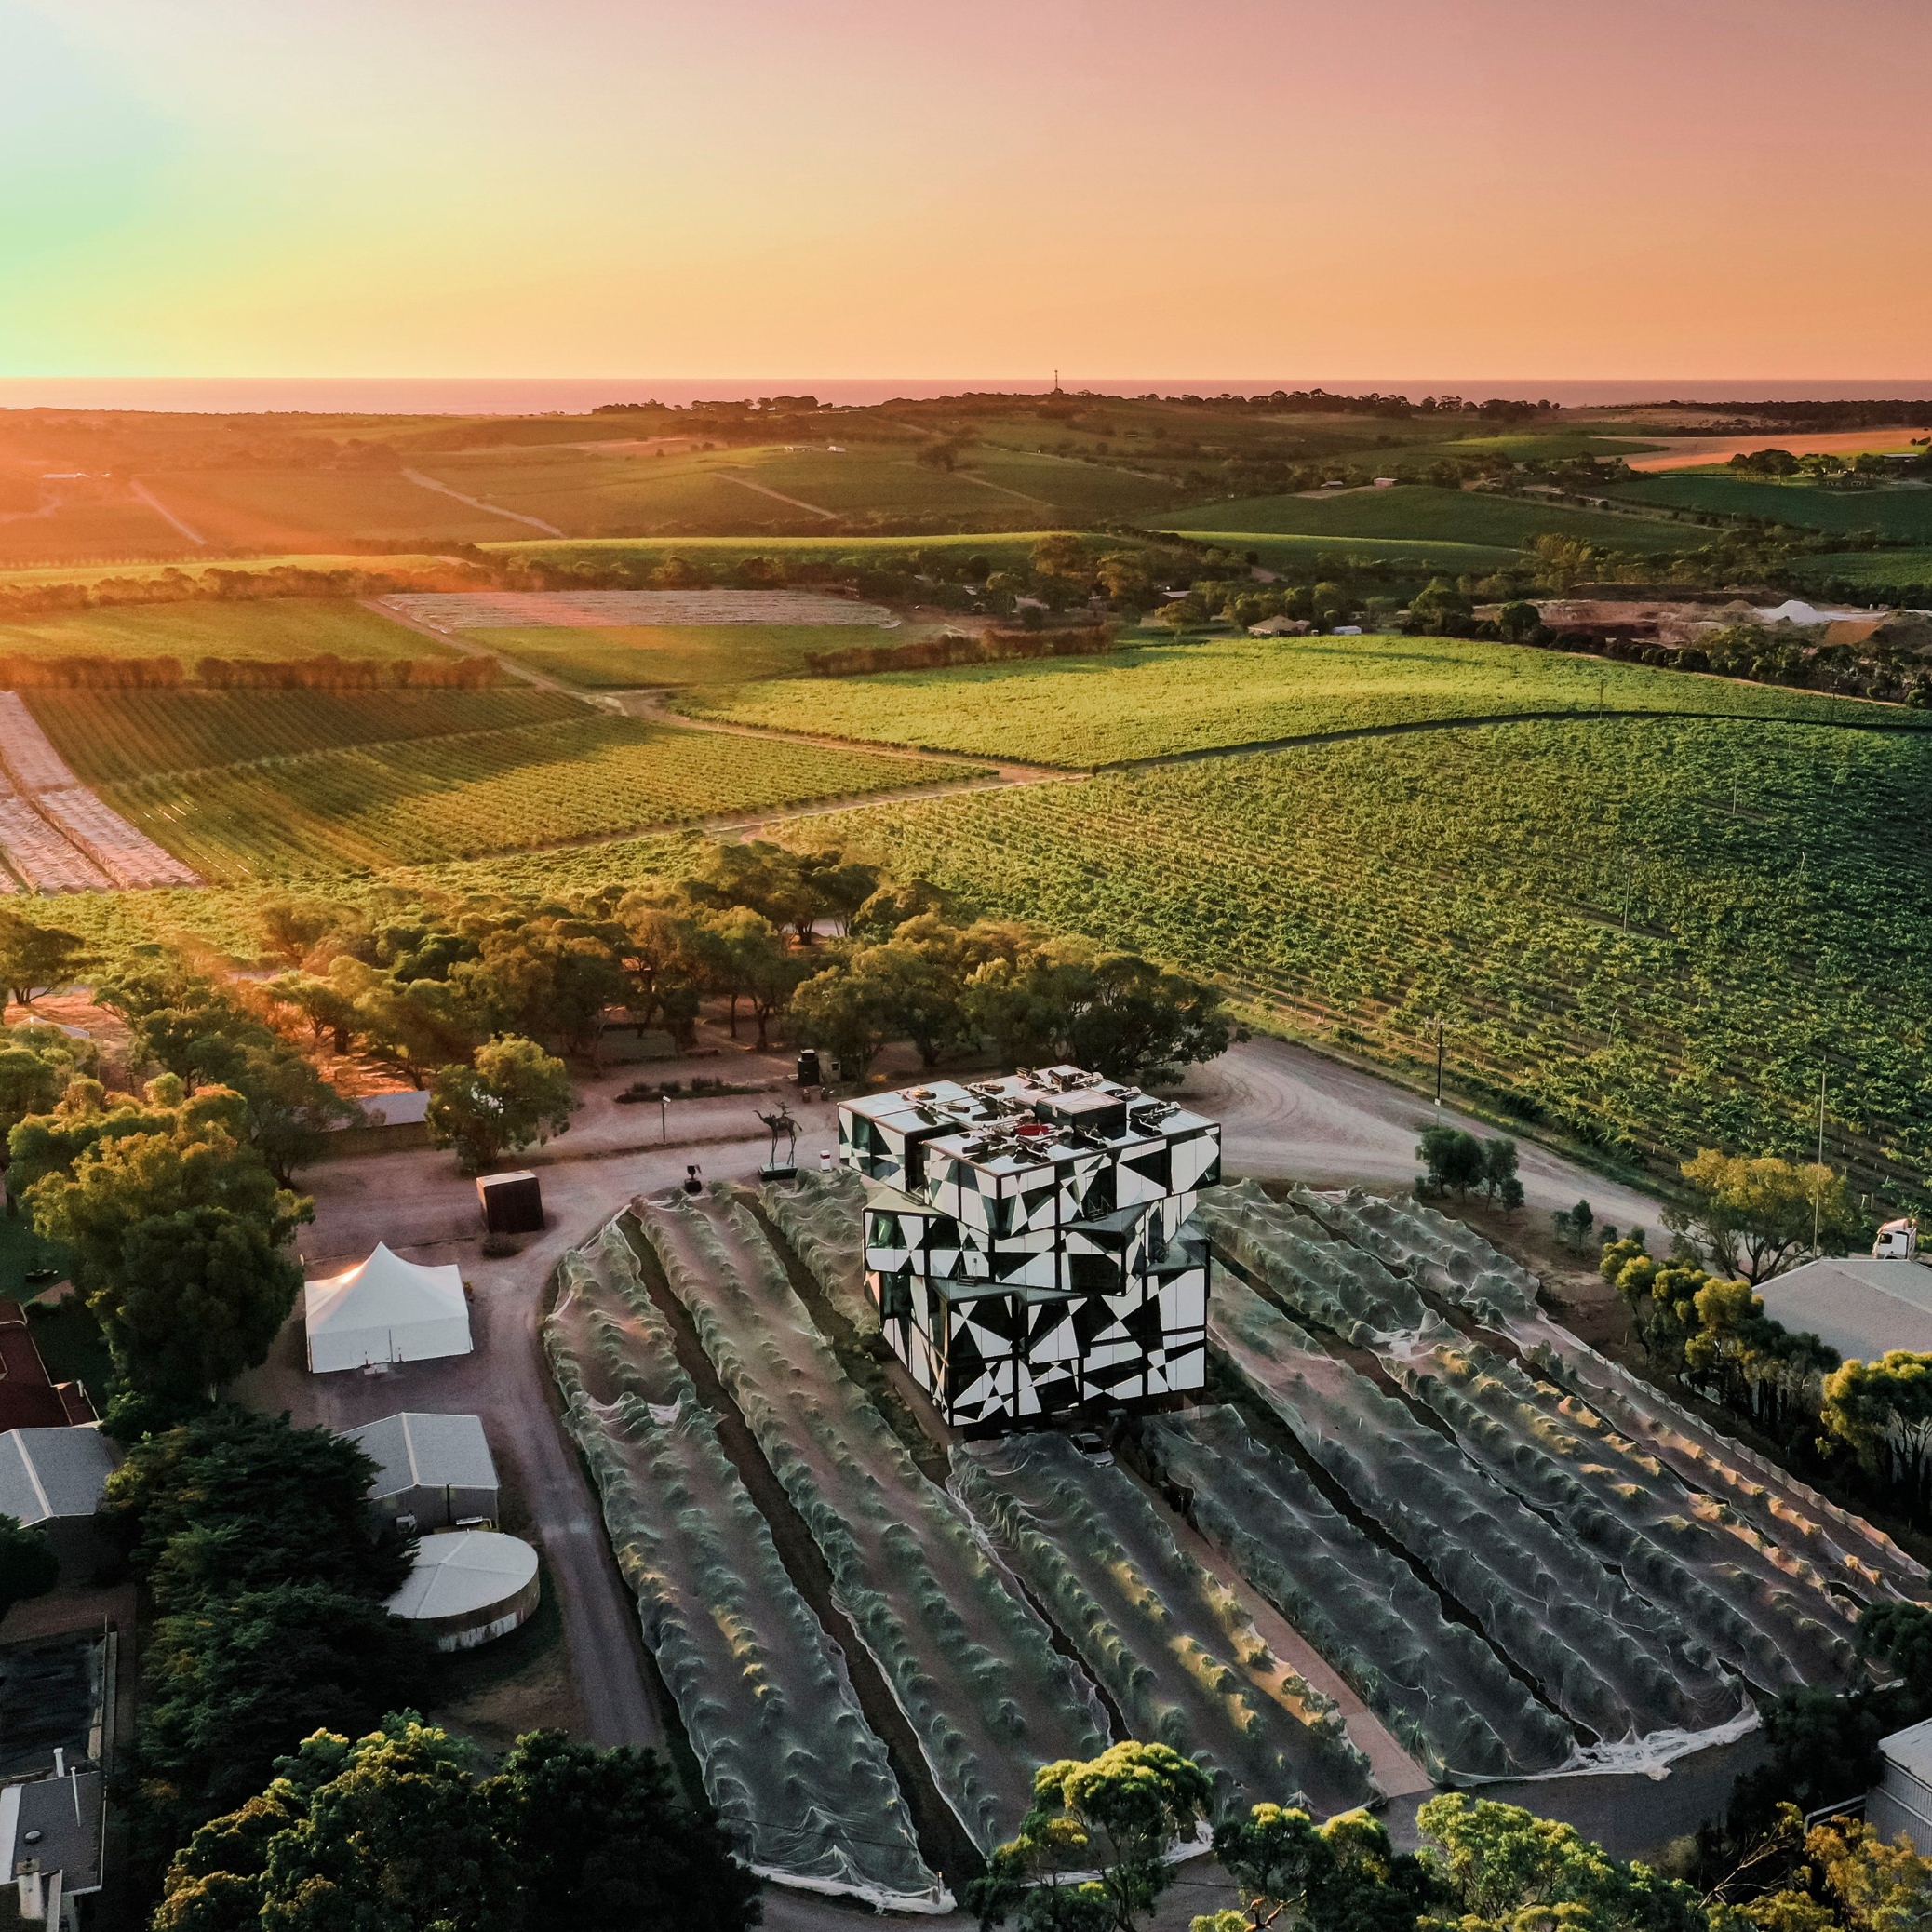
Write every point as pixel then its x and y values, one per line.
pixel 1171 1643
pixel 822 1217
pixel 1441 1689
pixel 970 1662
pixel 1626 1671
pixel 787 1755
pixel 1756 1600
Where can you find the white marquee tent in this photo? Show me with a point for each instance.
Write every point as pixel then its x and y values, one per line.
pixel 387 1310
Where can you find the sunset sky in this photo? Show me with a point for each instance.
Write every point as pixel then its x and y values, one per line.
pixel 1559 188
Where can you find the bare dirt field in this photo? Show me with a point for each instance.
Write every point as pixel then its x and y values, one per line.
pixel 1692 452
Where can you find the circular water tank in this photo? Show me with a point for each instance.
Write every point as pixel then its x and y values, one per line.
pixel 468 1586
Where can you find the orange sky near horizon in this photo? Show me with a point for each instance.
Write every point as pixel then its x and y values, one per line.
pixel 1624 189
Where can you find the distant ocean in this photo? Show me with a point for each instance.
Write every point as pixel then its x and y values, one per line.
pixel 570 395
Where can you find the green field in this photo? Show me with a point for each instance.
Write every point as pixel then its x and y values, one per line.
pixel 282 509
pixel 591 491
pixel 1002 550
pixel 403 565
pixel 1397 558
pixel 111 735
pixel 1415 512
pixel 90 532
pixel 1898 510
pixel 1875 571
pixel 1159 699
pixel 1486 875
pixel 625 656
pixel 271 627
pixel 418 800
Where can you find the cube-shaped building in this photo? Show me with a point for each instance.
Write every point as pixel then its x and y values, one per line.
pixel 1029 1241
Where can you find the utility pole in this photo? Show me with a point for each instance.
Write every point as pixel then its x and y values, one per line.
pixel 1440 1029
pixel 1817 1179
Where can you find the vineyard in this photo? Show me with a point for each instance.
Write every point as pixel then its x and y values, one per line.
pixel 109 736
pixel 1425 1535
pixel 417 800
pixel 278 627
pixel 1422 512
pixel 619 658
pixel 1652 934
pixel 1160 699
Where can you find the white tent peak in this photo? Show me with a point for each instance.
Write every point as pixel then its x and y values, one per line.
pixel 385 1310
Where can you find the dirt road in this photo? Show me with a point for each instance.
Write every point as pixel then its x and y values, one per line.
pixel 1288 1112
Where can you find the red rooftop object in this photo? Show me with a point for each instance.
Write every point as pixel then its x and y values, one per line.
pixel 29 1397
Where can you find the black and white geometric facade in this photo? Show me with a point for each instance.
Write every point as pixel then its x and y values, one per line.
pixel 1029 1241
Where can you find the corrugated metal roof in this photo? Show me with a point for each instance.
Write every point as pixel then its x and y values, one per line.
pixel 1910 1749
pixel 1860 1305
pixel 49 1472
pixel 417 1449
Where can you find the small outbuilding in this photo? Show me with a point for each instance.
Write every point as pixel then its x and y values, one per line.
pixel 467 1586
pixel 513 1203
pixel 386 1311
pixel 1902 1799
pixel 431 1472
pixel 51 1479
pixel 1862 1306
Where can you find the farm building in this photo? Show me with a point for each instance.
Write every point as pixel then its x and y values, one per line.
pixel 1902 1799
pixel 51 1479
pixel 1029 1244
pixel 468 1586
pixel 1860 1305
pixel 387 1310
pixel 431 1472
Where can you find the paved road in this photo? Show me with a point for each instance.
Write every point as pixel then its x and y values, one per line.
pixel 1288 1112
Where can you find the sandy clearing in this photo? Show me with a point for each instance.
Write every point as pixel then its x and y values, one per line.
pixel 1691 452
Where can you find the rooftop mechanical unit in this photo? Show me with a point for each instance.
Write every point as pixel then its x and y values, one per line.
pixel 1031 1243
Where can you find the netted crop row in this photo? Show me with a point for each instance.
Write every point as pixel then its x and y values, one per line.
pixel 1609 1661
pixel 128 857
pixel 1732 1486
pixel 1295 1256
pixel 1438 1686
pixel 970 1662
pixel 1760 1605
pixel 1175 1646
pixel 822 1216
pixel 48 862
pixel 787 1758
pixel 1628 926
pixel 1445 1257
pixel 1766 1612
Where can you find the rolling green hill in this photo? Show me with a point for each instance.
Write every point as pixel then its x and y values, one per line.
pixel 1420 512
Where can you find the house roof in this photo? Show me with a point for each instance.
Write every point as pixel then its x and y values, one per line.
pixel 415 1450
pixel 1910 1749
pixel 47 1473
pixel 29 1397
pixel 1861 1307
pixel 66 1814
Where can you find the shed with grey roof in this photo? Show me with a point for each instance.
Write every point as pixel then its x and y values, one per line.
pixel 52 1479
pixel 1861 1307
pixel 433 1471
